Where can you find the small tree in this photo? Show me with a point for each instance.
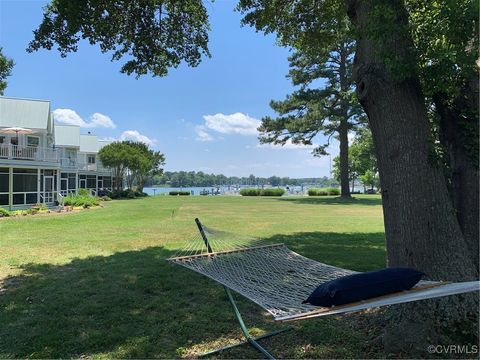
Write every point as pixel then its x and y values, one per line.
pixel 144 164
pixel 114 156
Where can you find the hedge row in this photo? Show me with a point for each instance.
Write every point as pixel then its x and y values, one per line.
pixel 125 194
pixel 262 192
pixel 179 193
pixel 323 192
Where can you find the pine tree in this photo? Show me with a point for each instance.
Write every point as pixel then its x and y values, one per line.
pixel 331 110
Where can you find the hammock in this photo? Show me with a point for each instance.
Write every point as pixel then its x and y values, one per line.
pixel 278 279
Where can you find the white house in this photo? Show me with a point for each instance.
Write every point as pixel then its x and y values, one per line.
pixel 41 161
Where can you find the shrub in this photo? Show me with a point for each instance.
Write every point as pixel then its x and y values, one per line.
pixel 4 212
pixel 140 193
pixel 323 192
pixel 80 200
pixel 272 192
pixel 250 192
pixel 87 205
pixel 105 198
pixel 40 207
pixel 262 192
pixel 83 192
pixel 184 193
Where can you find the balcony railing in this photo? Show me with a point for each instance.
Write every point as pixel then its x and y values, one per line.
pixel 92 167
pixel 68 163
pixel 35 153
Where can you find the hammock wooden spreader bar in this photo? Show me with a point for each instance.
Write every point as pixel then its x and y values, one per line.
pixel 278 279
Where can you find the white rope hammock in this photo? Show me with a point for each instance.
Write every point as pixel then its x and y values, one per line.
pixel 278 279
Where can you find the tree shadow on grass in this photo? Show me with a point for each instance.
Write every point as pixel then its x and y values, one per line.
pixel 136 305
pixel 356 251
pixel 128 305
pixel 317 200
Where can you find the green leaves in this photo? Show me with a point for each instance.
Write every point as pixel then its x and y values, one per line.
pixel 152 36
pixel 6 66
pixel 309 111
pixel 133 159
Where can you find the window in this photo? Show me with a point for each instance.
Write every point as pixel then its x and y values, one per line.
pixel 71 182
pixel 2 139
pixel 91 159
pixel 14 140
pixel 4 180
pixel 33 141
pixel 24 182
pixel 91 181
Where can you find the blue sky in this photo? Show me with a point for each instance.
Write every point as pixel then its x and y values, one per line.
pixel 201 118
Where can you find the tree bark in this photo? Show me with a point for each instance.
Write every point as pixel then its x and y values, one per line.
pixel 421 228
pixel 343 128
pixel 455 123
pixel 420 224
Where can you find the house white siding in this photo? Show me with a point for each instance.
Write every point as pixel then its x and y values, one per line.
pixel 51 160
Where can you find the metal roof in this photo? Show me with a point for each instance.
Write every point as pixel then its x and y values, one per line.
pixel 27 113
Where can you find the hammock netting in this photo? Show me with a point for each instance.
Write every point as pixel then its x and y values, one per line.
pixel 278 279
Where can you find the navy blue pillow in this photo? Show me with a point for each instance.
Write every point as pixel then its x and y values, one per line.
pixel 352 288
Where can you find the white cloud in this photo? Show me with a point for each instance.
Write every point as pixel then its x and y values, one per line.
pixel 100 120
pixel 202 134
pixel 236 123
pixel 288 146
pixel 134 135
pixel 70 117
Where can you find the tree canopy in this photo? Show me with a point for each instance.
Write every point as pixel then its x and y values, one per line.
pixel 133 161
pixel 6 66
pixel 152 36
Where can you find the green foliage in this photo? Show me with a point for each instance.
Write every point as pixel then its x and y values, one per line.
pixel 183 193
pixel 250 192
pixel 361 157
pixel 445 34
pixel 152 36
pixel 105 198
pixel 262 192
pixel 272 192
pixel 132 160
pixel 126 194
pixel 370 179
pixel 201 179
pixel 79 200
pixel 142 164
pixel 310 110
pixel 323 191
pixel 4 212
pixel 83 192
pixel 6 66
pixel 40 207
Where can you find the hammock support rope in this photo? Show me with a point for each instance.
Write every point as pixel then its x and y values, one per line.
pixel 278 279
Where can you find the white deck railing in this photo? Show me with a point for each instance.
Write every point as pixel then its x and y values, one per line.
pixel 35 153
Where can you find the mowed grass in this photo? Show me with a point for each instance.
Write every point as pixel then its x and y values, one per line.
pixel 96 284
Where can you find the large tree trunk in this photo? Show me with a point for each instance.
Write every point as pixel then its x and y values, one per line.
pixel 458 135
pixel 421 228
pixel 343 128
pixel 420 224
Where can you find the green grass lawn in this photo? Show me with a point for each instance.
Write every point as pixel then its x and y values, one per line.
pixel 96 283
